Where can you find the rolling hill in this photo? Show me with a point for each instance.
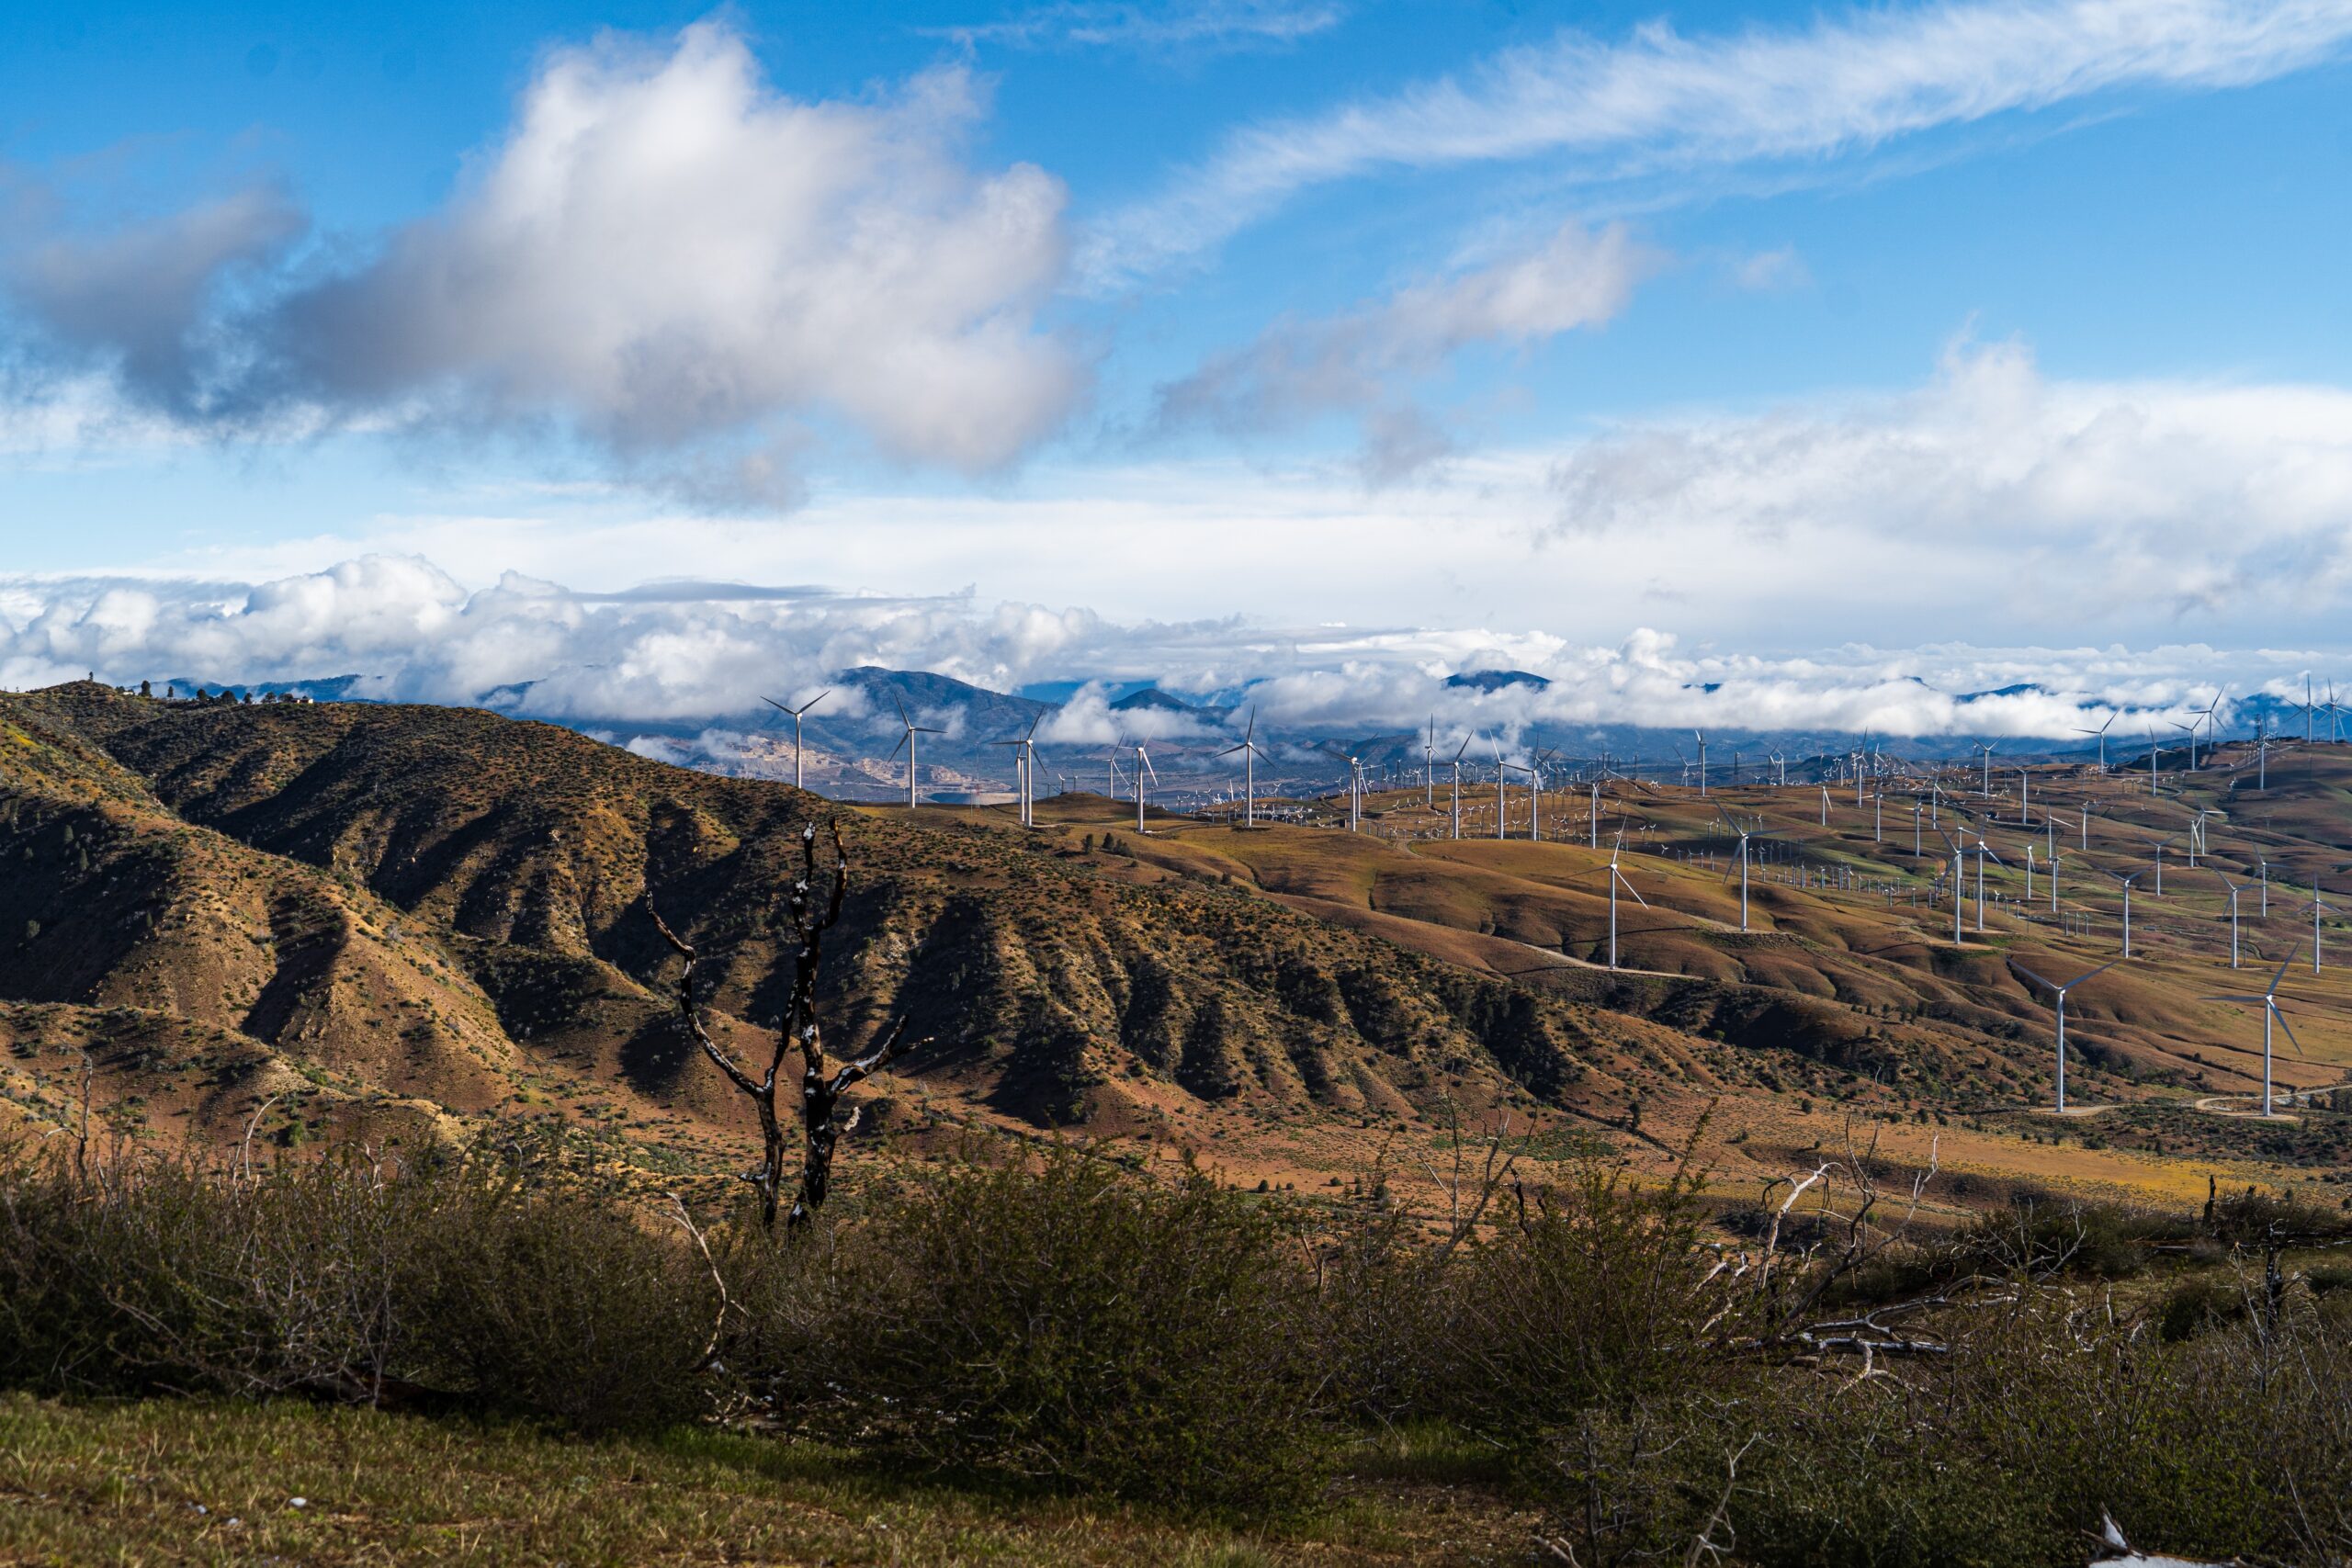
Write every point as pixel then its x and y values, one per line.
pixel 373 920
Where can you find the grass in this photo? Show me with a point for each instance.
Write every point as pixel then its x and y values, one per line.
pixel 170 1481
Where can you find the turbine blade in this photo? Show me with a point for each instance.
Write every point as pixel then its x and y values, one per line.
pixel 2088 973
pixel 2031 975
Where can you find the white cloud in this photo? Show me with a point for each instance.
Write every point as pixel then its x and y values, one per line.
pixel 1661 99
pixel 2064 504
pixel 1993 505
pixel 1360 361
pixel 705 655
pixel 1182 25
pixel 664 256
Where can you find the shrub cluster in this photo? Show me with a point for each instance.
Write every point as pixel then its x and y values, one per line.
pixel 1063 1319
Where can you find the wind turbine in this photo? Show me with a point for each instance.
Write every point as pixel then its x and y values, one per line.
pixel 1497 747
pixel 907 742
pixel 2234 890
pixel 2101 733
pixel 2153 770
pixel 1143 766
pixel 796 713
pixel 1781 763
pixel 2191 728
pixel 2127 882
pixel 2271 1011
pixel 2062 991
pixel 1617 879
pixel 1248 747
pixel 1429 766
pixel 1701 736
pixel 1959 863
pixel 1982 850
pixel 1457 786
pixel 1533 830
pixel 1986 747
pixel 1024 762
pixel 1745 834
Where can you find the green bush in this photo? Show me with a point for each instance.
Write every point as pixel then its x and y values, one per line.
pixel 1070 1323
pixel 1592 1300
pixel 457 1278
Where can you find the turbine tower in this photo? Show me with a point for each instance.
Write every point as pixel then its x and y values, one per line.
pixel 2101 733
pixel 1616 880
pixel 1745 834
pixel 1143 766
pixel 2061 990
pixel 1248 747
pixel 908 742
pixel 1024 769
pixel 1457 784
pixel 2234 891
pixel 797 714
pixel 2271 1011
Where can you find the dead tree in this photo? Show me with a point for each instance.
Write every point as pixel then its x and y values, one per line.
pixel 822 1085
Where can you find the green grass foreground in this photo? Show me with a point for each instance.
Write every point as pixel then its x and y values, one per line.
pixel 186 1481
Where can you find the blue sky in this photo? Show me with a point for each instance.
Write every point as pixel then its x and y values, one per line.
pixel 1429 331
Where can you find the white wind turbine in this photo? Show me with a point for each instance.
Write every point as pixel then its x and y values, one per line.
pixel 2153 785
pixel 1429 767
pixel 1024 769
pixel 1457 784
pixel 2061 990
pixel 1984 850
pixel 2234 891
pixel 2271 1011
pixel 1781 765
pixel 1143 767
pixel 1248 747
pixel 1520 768
pixel 1702 737
pixel 1986 747
pixel 1616 880
pixel 1744 834
pixel 2319 906
pixel 908 742
pixel 1111 759
pixel 1956 876
pixel 2127 882
pixel 1499 775
pixel 2101 733
pixel 797 714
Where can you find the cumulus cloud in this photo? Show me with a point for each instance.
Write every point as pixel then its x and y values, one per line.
pixel 1660 99
pixel 1360 361
pixel 664 256
pixel 2156 499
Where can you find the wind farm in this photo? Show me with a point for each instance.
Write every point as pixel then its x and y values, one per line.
pixel 1899 975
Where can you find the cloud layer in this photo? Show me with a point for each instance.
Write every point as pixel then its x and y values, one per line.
pixel 663 257
pixel 694 654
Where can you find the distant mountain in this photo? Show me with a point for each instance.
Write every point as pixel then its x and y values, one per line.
pixel 1153 699
pixel 327 689
pixel 1495 680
